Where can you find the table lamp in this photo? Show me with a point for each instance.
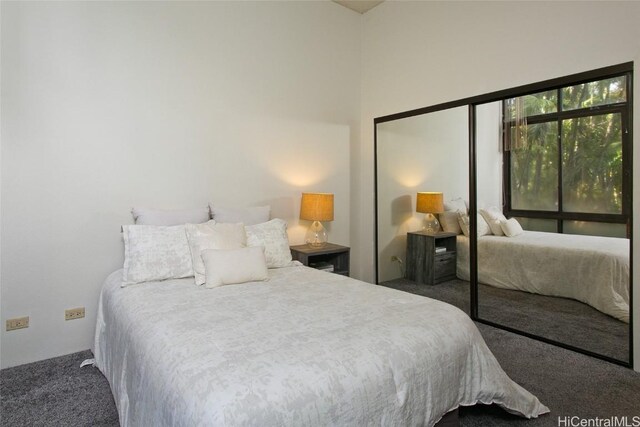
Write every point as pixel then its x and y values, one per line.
pixel 316 207
pixel 430 203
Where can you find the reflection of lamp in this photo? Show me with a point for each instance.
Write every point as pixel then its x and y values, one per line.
pixel 430 203
pixel 316 207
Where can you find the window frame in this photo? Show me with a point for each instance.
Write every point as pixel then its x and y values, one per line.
pixel 622 108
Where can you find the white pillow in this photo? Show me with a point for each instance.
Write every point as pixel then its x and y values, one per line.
pixel 511 227
pixel 483 227
pixel 493 215
pixel 227 267
pixel 212 236
pixel 449 222
pixel 456 205
pixel 271 235
pixel 155 253
pixel 248 216
pixel 142 216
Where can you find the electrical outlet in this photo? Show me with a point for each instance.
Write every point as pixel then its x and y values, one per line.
pixel 17 323
pixel 74 313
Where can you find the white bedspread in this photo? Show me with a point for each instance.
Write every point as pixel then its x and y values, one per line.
pixel 590 269
pixel 305 348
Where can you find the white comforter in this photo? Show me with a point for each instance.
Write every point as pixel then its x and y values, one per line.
pixel 304 348
pixel 590 269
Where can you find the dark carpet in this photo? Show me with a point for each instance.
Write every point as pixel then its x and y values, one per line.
pixel 559 319
pixel 57 392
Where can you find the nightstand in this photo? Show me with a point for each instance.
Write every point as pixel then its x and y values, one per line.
pixel 426 266
pixel 335 255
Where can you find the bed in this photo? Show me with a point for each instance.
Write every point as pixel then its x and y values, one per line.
pixel 590 269
pixel 305 347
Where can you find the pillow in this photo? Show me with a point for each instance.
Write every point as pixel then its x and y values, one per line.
pixel 212 236
pixel 449 222
pixel 155 253
pixel 511 227
pixel 271 235
pixel 143 216
pixel 483 227
pixel 493 215
pixel 248 216
pixel 456 205
pixel 227 267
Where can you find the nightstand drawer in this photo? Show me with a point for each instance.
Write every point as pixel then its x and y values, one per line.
pixel 444 265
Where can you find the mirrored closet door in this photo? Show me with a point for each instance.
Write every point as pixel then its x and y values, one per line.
pixel 532 190
pixel 422 161
pixel 553 192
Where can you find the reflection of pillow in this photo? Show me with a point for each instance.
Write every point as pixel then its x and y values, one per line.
pixel 456 205
pixel 227 267
pixel 493 215
pixel 272 235
pixel 143 216
pixel 155 253
pixel 511 227
pixel 483 227
pixel 248 216
pixel 212 236
pixel 449 222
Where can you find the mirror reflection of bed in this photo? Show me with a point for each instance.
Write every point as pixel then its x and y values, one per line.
pixel 570 287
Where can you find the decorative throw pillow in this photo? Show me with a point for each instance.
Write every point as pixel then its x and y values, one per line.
pixel 227 267
pixel 493 215
pixel 456 205
pixel 449 222
pixel 511 227
pixel 248 216
pixel 271 235
pixel 483 227
pixel 155 253
pixel 142 216
pixel 211 235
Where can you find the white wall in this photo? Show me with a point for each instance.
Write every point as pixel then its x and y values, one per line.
pixel 111 105
pixel 429 152
pixel 417 54
pixel 488 155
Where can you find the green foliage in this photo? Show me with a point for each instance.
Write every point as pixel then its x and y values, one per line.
pixel 591 152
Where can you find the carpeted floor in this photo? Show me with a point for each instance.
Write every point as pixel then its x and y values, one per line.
pixel 57 392
pixel 560 319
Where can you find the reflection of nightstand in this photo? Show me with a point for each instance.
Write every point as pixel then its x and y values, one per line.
pixel 335 255
pixel 426 266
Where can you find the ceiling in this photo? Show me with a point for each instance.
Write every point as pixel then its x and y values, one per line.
pixel 360 6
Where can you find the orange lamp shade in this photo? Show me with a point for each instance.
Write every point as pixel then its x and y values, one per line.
pixel 429 202
pixel 317 207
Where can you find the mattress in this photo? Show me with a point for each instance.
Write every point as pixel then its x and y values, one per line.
pixel 304 348
pixel 590 269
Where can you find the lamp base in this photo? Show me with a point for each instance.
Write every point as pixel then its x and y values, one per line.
pixel 316 236
pixel 431 223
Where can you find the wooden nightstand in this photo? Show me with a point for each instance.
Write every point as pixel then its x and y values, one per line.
pixel 426 266
pixel 336 255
